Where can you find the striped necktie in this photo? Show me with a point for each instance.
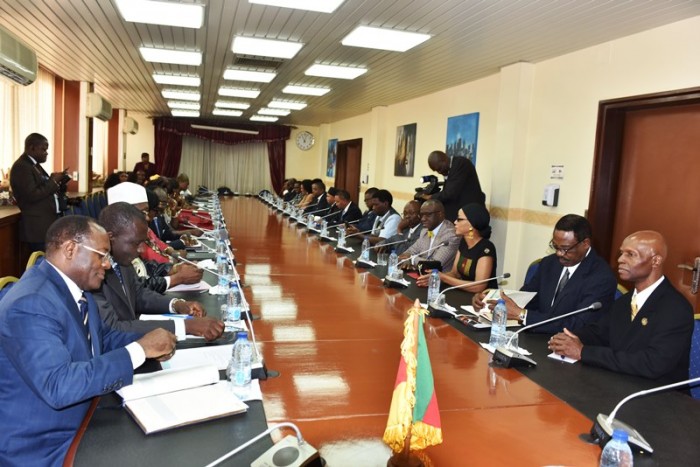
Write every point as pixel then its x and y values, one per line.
pixel 83 306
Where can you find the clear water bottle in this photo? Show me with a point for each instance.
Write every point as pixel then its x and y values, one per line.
pixel 365 249
pixel 222 270
pixel 324 228
pixel 233 304
pixel 433 286
pixel 341 236
pixel 240 367
pixel 392 265
pixel 498 325
pixel 617 452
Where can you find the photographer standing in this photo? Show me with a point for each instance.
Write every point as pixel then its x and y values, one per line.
pixel 36 192
pixel 461 183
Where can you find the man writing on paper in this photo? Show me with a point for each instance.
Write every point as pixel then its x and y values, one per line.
pixel 55 353
pixel 573 277
pixel 436 230
pixel 647 331
pixel 122 297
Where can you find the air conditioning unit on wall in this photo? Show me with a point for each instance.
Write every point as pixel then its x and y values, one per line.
pixel 98 107
pixel 131 126
pixel 17 61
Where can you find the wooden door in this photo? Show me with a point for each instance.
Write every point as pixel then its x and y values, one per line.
pixel 347 167
pixel 654 183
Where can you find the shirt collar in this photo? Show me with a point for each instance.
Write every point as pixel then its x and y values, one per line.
pixel 32 159
pixel 75 291
pixel 644 294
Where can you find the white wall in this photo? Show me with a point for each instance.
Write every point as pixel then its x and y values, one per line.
pixel 143 141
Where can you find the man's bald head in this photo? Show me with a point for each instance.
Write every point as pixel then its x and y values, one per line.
pixel 641 259
pixel 439 162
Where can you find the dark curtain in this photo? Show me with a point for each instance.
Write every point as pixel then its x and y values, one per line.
pixel 276 151
pixel 169 133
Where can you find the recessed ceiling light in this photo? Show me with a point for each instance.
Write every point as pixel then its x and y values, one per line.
pixel 180 95
pixel 287 105
pixel 279 112
pixel 384 39
pixel 185 113
pixel 176 57
pixel 331 71
pixel 186 15
pixel 323 6
pixel 237 92
pixel 183 105
pixel 305 90
pixel 246 75
pixel 265 47
pixel 231 105
pixel 263 118
pixel 178 80
pixel 227 112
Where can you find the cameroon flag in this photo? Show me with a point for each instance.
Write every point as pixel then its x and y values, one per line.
pixel 414 409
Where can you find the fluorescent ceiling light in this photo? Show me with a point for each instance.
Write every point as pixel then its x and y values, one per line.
pixel 237 92
pixel 384 39
pixel 180 95
pixel 265 47
pixel 279 112
pixel 186 15
pixel 225 130
pixel 176 57
pixel 185 113
pixel 228 112
pixel 245 75
pixel 183 105
pixel 231 105
pixel 330 71
pixel 263 118
pixel 177 80
pixel 287 105
pixel 305 90
pixel 323 6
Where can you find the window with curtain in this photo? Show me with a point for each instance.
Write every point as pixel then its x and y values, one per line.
pixel 244 168
pixel 25 110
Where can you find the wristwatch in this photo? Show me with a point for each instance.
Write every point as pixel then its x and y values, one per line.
pixel 523 316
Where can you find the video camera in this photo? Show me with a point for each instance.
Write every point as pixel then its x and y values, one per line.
pixel 432 187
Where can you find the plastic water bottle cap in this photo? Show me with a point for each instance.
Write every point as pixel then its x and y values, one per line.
pixel 620 435
pixel 242 335
pixel 500 302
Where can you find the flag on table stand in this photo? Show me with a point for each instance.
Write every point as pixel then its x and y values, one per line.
pixel 414 417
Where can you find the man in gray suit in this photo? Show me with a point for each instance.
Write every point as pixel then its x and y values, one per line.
pixel 436 230
pixel 122 297
pixel 408 231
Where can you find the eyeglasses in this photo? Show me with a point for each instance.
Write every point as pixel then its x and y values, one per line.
pixel 563 250
pixel 104 257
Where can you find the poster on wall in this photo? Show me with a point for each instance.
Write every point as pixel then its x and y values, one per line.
pixel 332 154
pixel 405 154
pixel 462 134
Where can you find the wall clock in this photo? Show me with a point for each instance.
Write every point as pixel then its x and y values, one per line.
pixel 305 140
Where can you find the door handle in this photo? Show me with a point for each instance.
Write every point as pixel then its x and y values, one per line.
pixel 696 275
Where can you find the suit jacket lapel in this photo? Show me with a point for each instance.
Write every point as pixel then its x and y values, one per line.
pixel 112 281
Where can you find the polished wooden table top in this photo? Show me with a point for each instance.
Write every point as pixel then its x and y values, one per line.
pixel 333 332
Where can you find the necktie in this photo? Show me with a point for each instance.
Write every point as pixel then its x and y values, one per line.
pixel 117 270
pixel 431 234
pixel 83 306
pixel 562 283
pixel 633 306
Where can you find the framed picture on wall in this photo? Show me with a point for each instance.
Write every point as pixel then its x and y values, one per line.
pixel 405 155
pixel 332 154
pixel 462 135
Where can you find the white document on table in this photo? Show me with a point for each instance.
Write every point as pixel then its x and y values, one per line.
pixel 520 297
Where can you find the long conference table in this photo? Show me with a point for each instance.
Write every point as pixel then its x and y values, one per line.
pixel 333 332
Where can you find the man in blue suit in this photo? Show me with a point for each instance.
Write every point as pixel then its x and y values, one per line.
pixel 55 353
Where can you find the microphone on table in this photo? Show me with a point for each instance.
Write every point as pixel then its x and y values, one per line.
pixel 289 451
pixel 184 260
pixel 360 233
pixel 187 224
pixel 399 283
pixel 440 310
pixel 507 358
pixel 604 425
pixel 360 263
pixel 344 223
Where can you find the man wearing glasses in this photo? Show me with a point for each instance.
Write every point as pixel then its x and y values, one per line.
pixel 55 352
pixel 436 230
pixel 573 277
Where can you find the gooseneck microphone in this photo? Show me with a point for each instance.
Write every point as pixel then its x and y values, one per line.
pixel 388 244
pixel 412 257
pixel 438 310
pixel 507 358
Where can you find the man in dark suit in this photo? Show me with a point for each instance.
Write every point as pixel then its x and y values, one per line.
pixel 123 298
pixel 461 183
pixel 409 229
pixel 573 277
pixel 319 206
pixel 647 331
pixel 367 220
pixel 55 353
pixel 347 210
pixel 35 192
